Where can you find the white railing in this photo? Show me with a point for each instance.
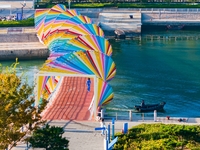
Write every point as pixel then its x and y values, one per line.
pixel 131 115
pixel 172 10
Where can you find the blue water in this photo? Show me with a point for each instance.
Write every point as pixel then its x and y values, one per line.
pixel 154 71
pixel 27 68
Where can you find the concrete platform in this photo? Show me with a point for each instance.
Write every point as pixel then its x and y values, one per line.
pixel 81 134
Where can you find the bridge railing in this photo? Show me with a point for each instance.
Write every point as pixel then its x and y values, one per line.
pixel 130 115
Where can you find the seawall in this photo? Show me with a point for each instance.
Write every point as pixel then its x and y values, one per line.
pixel 24 44
pixel 120 18
pixel 23 51
pixel 25 37
pixel 21 43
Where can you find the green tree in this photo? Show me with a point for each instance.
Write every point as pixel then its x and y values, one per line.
pixel 18 116
pixel 50 138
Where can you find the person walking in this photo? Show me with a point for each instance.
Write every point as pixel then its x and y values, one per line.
pixel 142 104
pixel 88 84
pixel 99 113
pixel 102 124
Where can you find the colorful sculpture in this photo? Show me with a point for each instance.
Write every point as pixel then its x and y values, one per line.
pixel 77 46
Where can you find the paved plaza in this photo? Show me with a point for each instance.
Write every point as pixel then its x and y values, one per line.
pixel 82 135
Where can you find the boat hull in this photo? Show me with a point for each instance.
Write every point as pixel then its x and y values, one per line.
pixel 148 108
pixel 120 34
pixel 173 27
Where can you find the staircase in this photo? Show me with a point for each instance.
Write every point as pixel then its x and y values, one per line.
pixel 128 22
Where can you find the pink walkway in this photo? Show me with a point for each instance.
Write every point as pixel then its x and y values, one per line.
pixel 72 101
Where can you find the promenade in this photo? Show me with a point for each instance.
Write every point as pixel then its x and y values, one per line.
pixel 21 46
pixel 69 110
pixel 81 134
pixel 72 101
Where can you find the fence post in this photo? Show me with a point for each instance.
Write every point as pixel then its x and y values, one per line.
pixel 125 128
pixel 143 117
pixel 130 115
pixel 113 128
pixel 108 133
pixel 102 113
pixel 105 144
pixel 155 115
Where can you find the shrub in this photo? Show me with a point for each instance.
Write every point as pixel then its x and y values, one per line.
pixel 20 23
pixel 159 136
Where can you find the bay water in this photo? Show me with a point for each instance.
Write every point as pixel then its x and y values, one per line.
pixel 165 69
pixel 151 70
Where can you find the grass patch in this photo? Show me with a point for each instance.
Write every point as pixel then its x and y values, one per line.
pixel 21 23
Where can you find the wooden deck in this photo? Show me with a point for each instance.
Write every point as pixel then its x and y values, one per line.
pixel 72 100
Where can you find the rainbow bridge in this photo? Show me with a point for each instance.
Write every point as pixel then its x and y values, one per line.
pixel 77 51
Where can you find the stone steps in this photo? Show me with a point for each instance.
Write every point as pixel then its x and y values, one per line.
pixel 129 22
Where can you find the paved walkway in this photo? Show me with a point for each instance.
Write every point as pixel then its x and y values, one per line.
pixel 22 46
pixel 81 134
pixel 72 100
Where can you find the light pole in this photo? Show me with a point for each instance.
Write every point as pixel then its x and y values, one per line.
pixel 33 4
pixel 23 5
pixel 69 3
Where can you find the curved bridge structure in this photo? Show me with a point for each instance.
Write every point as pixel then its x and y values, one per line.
pixel 78 50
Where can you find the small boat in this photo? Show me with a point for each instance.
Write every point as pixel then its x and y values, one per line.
pixel 150 107
pixel 175 27
pixel 120 34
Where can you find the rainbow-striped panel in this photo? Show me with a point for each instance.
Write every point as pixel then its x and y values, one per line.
pixel 77 46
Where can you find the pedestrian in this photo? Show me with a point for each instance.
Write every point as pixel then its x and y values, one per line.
pixel 102 123
pixel 142 104
pixel 99 113
pixel 88 84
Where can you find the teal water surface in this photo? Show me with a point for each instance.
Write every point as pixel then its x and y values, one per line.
pixel 154 71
